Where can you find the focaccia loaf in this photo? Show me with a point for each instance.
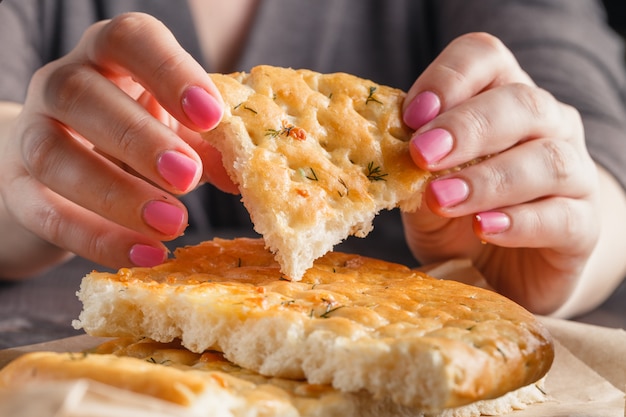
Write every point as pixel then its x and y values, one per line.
pixel 352 322
pixel 315 156
pixel 208 385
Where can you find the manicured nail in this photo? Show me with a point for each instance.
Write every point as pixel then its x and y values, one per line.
pixel 449 192
pixel 202 108
pixel 177 169
pixel 164 217
pixel 493 222
pixel 146 256
pixel 432 145
pixel 424 108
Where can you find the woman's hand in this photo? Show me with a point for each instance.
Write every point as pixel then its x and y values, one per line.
pixel 523 205
pixel 106 138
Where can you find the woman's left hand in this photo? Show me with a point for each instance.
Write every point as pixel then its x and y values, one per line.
pixel 523 204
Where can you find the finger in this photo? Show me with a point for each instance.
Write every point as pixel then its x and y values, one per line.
pixel 78 174
pixel 564 224
pixel 492 122
pixel 78 230
pixel 140 46
pixel 530 171
pixel 470 64
pixel 213 168
pixel 78 96
pixel 561 231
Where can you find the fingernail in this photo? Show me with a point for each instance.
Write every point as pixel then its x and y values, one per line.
pixel 432 145
pixel 164 217
pixel 146 256
pixel 177 169
pixel 493 222
pixel 202 108
pixel 424 108
pixel 449 192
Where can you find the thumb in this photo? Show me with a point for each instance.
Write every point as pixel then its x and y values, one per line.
pixel 433 238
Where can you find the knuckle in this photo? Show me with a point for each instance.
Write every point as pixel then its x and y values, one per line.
pixel 64 87
pixel 486 42
pixel 531 221
pixel 568 218
pixel 474 124
pixel 532 99
pixel 57 229
pixel 123 28
pixel 573 225
pixel 51 225
pixel 559 161
pixel 38 149
pixel 482 38
pixel 96 247
pixel 109 196
pixel 170 64
pixel 130 131
pixel 453 73
pixel 498 178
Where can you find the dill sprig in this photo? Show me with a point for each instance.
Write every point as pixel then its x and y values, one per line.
pixel 374 173
pixel 371 97
pixel 165 362
pixel 288 130
pixel 345 186
pixel 272 133
pixel 312 176
pixel 330 310
pixel 245 107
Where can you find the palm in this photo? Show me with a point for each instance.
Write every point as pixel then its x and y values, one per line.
pixel 538 278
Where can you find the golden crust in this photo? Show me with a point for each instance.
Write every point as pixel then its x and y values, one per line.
pixel 316 157
pixel 353 322
pixel 141 377
pixel 209 382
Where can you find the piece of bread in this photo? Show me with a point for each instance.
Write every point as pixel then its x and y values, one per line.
pixel 208 385
pixel 353 322
pixel 315 156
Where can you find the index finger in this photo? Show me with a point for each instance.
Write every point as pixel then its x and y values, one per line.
pixel 470 64
pixel 140 46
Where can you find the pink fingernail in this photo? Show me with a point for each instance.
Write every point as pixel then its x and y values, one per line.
pixel 432 145
pixel 493 222
pixel 177 169
pixel 164 217
pixel 202 108
pixel 449 192
pixel 146 256
pixel 424 108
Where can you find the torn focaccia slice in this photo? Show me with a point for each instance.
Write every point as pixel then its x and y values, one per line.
pixel 315 156
pixel 352 322
pixel 208 385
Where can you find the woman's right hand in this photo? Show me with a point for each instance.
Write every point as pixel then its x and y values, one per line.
pixel 106 139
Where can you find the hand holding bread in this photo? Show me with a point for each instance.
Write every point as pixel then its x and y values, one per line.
pixel 509 163
pixel 524 204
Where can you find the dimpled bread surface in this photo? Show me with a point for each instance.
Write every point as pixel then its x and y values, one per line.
pixel 315 156
pixel 352 322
